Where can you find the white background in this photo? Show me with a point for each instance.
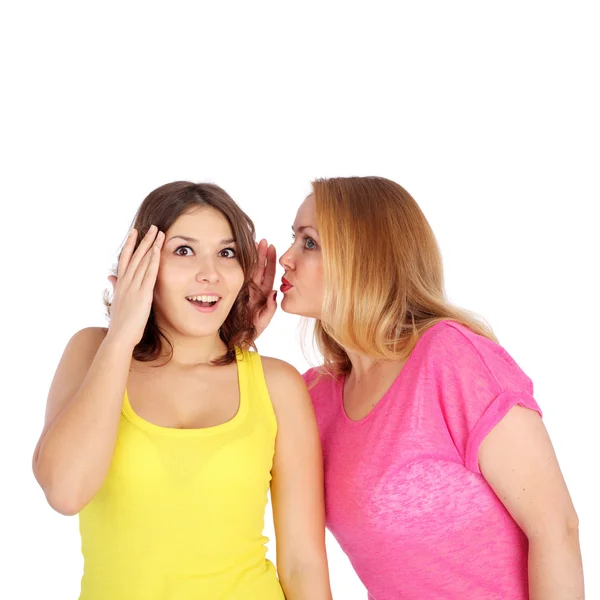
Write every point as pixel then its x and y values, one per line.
pixel 486 112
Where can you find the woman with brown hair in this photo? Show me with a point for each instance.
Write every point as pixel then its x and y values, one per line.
pixel 440 479
pixel 165 432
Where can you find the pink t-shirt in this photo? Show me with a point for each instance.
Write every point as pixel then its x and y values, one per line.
pixel 404 495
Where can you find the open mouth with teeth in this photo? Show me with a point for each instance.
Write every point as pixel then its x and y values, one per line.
pixel 203 301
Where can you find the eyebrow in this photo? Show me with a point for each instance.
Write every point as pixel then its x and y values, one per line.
pixel 195 241
pixel 301 229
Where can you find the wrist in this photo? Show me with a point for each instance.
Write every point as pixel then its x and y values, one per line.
pixel 119 342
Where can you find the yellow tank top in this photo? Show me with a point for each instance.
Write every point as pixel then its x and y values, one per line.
pixel 180 515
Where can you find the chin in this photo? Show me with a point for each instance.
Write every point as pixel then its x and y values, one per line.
pixel 289 306
pixel 204 330
pixel 190 329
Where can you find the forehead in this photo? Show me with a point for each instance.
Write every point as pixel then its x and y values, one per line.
pixel 206 219
pixel 307 215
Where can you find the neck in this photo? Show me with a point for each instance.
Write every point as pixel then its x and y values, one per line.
pixel 367 368
pixel 362 364
pixel 193 351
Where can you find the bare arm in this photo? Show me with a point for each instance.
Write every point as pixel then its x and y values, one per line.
pixel 297 488
pixel 74 452
pixel 518 461
pixel 75 449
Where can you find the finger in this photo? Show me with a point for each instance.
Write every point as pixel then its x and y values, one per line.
pixel 152 270
pixel 263 244
pixel 266 314
pixel 141 252
pixel 269 275
pixel 270 306
pixel 259 271
pixel 144 265
pixel 127 252
pixel 140 272
pixel 272 300
pixel 262 256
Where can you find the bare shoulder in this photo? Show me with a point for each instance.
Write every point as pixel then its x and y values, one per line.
pixel 87 339
pixel 285 384
pixel 73 367
pixel 276 370
pixel 81 349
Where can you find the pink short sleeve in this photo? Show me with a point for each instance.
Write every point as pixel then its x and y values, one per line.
pixel 477 383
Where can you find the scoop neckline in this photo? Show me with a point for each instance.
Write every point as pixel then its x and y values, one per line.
pixel 130 414
pixel 384 399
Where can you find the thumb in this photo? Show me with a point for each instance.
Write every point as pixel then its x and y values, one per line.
pixel 272 302
pixel 270 307
pixel 266 314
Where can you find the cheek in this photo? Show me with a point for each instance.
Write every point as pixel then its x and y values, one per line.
pixel 170 280
pixel 318 273
pixel 234 275
pixel 310 279
pixel 313 271
pixel 318 284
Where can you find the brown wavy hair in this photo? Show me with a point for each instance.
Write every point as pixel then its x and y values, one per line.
pixel 384 283
pixel 162 208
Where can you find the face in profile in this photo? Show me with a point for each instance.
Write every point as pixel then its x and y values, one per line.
pixel 303 281
pixel 199 276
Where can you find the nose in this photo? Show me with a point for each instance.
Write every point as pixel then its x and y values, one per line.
pixel 286 260
pixel 207 271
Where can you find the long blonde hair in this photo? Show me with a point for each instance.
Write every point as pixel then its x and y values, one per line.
pixel 383 272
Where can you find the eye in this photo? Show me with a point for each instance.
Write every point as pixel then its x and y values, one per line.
pixel 227 253
pixel 309 243
pixel 185 251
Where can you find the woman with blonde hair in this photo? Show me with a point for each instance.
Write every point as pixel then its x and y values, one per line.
pixel 440 479
pixel 165 432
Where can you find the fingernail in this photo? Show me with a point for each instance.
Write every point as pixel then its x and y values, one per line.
pixel 274 296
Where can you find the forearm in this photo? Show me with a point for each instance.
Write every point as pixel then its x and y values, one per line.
pixel 74 455
pixel 310 582
pixel 555 567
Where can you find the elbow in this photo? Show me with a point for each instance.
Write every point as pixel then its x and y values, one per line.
pixel 306 579
pixel 64 504
pixel 572 527
pixel 61 498
pixel 565 526
pixel 573 522
pixel 569 524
